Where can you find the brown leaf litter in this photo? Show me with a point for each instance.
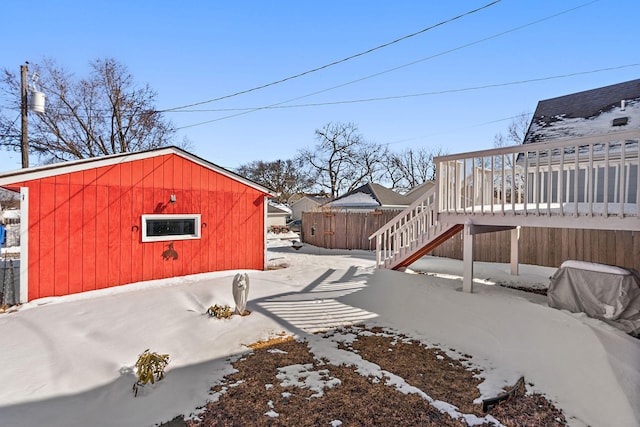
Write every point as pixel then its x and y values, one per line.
pixel 256 394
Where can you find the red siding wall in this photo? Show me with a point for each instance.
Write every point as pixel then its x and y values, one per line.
pixel 85 227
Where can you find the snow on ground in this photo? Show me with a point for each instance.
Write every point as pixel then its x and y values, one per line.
pixel 68 361
pixel 289 235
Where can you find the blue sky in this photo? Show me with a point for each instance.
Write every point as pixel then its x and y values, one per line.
pixel 193 51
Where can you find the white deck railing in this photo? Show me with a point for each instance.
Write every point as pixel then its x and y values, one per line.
pixel 594 176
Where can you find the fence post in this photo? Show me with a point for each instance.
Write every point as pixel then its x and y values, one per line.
pixel 8 284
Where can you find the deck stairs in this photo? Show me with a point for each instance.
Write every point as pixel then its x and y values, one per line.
pixel 412 234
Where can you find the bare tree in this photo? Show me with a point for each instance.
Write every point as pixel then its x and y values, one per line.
pixel 284 177
pixel 410 167
pixel 9 199
pixel 516 131
pixel 342 160
pixel 513 180
pixel 105 113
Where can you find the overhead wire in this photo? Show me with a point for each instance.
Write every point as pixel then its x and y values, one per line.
pixel 415 95
pixel 181 108
pixel 411 95
pixel 281 106
pixel 340 61
pixel 476 125
pixel 537 21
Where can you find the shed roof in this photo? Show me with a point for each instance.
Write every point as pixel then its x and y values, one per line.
pixel 44 171
pixel 278 208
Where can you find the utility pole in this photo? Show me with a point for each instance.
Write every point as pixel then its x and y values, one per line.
pixel 24 142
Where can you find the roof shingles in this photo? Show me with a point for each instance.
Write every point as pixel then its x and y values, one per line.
pixel 567 115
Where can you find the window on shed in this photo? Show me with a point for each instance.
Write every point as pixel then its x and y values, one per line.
pixel 157 228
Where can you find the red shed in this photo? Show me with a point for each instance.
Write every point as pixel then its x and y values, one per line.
pixel 108 221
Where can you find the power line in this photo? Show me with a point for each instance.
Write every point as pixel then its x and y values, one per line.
pixel 280 106
pixel 393 97
pixel 395 68
pixel 446 51
pixel 459 128
pixel 415 95
pixel 348 58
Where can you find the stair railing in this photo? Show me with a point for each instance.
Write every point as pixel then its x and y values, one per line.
pixel 411 227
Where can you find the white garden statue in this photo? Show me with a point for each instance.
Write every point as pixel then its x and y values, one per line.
pixel 241 292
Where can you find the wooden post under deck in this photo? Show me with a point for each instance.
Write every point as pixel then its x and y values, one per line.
pixel 467 258
pixel 471 230
pixel 515 262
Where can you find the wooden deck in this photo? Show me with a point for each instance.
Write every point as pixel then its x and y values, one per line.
pixel 586 183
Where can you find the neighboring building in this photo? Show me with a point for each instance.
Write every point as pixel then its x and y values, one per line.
pixel 417 191
pixel 108 221
pixel 578 170
pixel 277 214
pixel 10 218
pixel 369 197
pixel 307 204
pixel 609 110
pixel 605 110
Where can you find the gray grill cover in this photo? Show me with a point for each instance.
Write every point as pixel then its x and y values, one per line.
pixel 609 293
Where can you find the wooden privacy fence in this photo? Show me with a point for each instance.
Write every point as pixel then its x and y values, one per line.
pixel 551 246
pixel 9 281
pixel 538 245
pixel 343 230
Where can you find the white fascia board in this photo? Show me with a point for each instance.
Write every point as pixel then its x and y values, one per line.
pixel 47 171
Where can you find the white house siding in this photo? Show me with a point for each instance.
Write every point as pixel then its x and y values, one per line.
pixel 303 205
pixel 277 219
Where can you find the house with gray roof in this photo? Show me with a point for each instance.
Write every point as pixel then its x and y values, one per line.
pixel 612 111
pixel 577 170
pixel 605 110
pixel 307 203
pixel 371 196
pixel 420 189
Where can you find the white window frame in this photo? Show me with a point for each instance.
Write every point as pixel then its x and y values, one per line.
pixel 146 238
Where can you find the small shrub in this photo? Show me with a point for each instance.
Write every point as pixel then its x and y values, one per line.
pixel 149 368
pixel 219 311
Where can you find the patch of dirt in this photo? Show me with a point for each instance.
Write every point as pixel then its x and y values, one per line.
pixel 428 369
pixel 8 308
pixel 528 410
pixel 282 337
pixel 257 395
pixel 277 266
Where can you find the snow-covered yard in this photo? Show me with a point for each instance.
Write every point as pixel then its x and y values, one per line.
pixel 69 361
